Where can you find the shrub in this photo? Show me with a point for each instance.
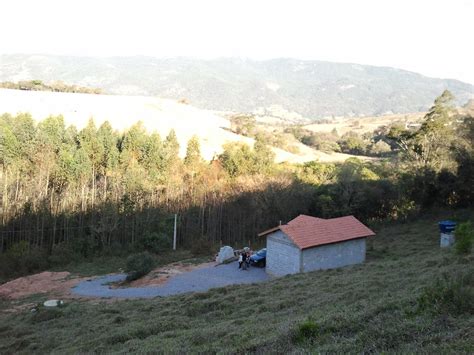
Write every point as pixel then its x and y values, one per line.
pixel 352 143
pixel 156 242
pixel 18 249
pixel 21 259
pixel 454 295
pixel 138 265
pixel 326 142
pixel 306 330
pixel 380 148
pixel 201 246
pixel 46 314
pixel 63 254
pixel 36 260
pixel 464 238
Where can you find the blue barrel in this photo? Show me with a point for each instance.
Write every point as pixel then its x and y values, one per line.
pixel 447 227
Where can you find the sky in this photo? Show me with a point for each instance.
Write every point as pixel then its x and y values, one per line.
pixel 434 38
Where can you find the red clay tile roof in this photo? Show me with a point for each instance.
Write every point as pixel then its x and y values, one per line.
pixel 307 232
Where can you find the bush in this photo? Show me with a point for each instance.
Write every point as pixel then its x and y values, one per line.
pixel 352 143
pixel 306 330
pixel 326 142
pixel 201 246
pixel 46 314
pixel 19 249
pixel 138 265
pixel 63 254
pixel 22 259
pixel 380 148
pixel 36 260
pixel 156 242
pixel 464 237
pixel 453 295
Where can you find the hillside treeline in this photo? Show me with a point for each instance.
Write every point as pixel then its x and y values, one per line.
pixel 55 86
pixel 375 144
pixel 69 193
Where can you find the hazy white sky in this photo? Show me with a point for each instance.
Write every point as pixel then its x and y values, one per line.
pixel 434 37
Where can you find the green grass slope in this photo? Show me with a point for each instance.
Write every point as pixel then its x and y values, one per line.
pixel 389 304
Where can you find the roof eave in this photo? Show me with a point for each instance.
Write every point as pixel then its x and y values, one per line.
pixel 268 231
pixel 340 241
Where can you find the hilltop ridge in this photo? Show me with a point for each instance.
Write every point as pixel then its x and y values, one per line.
pixel 277 87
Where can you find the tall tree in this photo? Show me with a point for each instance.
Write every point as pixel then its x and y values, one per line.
pixel 94 148
pixel 436 134
pixel 263 156
pixel 154 158
pixel 50 136
pixel 429 146
pixel 237 159
pixel 82 171
pixel 171 149
pixel 110 157
pixel 134 142
pixel 193 152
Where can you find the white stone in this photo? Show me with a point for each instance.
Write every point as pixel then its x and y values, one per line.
pixel 225 253
pixel 53 303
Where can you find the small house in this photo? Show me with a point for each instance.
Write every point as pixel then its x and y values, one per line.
pixel 308 243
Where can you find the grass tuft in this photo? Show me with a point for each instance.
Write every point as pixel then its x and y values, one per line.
pixel 307 330
pixel 46 314
pixel 449 294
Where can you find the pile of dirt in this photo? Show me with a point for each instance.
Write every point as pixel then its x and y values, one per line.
pixel 53 283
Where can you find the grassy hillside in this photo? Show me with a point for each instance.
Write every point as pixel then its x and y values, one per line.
pixel 313 89
pixel 374 307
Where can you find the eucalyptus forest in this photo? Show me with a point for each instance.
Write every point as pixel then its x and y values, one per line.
pixel 70 194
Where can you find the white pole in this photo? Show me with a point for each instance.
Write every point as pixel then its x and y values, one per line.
pixel 174 232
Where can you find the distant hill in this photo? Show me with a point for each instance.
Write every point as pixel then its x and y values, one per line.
pixel 56 86
pixel 156 114
pixel 277 87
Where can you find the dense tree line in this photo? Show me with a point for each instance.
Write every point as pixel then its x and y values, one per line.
pixel 375 144
pixel 58 181
pixel 246 125
pixel 55 86
pixel 70 193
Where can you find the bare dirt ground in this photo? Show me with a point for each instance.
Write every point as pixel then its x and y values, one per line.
pixel 160 275
pixel 55 284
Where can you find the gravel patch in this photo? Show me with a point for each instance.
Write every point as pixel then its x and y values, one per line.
pixel 198 280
